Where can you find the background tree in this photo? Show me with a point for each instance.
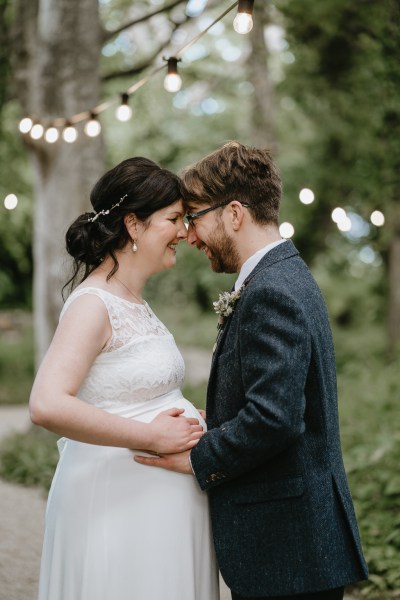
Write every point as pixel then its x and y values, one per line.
pixel 345 83
pixel 56 49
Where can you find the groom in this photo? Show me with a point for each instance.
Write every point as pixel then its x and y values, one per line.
pixel 282 515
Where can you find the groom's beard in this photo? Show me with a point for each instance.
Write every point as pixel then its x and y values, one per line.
pixel 224 257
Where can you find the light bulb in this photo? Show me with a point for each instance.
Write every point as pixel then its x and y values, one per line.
pixel 172 82
pixel 25 125
pixel 37 131
pixel 92 127
pixel 69 134
pixel 344 224
pixel 51 135
pixel 377 218
pixel 338 214
pixel 306 196
pixel 243 23
pixel 286 230
pixel 10 201
pixel 124 111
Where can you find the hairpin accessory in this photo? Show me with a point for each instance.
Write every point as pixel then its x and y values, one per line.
pixel 106 211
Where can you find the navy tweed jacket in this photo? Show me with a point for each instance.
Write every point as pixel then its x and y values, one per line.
pixel 282 515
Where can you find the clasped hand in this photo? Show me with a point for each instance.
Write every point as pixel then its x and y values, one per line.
pixel 171 432
pixel 174 436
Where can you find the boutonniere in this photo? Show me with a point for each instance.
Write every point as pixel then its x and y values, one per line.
pixel 225 305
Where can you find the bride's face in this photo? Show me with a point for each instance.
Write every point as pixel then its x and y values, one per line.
pixel 158 239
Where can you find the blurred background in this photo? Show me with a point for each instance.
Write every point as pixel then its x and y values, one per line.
pixel 318 83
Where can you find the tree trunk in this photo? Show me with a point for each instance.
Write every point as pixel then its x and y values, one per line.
pixel 56 64
pixel 262 122
pixel 394 285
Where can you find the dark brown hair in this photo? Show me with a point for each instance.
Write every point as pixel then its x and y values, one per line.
pixel 236 172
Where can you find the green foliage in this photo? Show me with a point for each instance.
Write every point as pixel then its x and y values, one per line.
pixel 16 358
pixel 4 51
pixel 29 459
pixel 344 83
pixel 369 392
pixel 196 394
pixel 15 225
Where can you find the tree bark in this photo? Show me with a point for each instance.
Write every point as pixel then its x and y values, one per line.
pixel 56 67
pixel 262 122
pixel 394 284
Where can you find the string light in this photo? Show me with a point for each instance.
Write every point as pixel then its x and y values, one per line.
pixel 36 131
pixel 286 230
pixel 92 127
pixel 10 201
pixel 306 196
pixel 377 218
pixel 51 134
pixel 338 214
pixel 124 111
pixel 25 125
pixel 243 22
pixel 69 133
pixel 172 81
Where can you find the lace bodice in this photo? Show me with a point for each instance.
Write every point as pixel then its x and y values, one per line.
pixel 140 361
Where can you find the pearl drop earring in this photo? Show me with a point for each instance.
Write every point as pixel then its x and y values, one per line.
pixel 134 247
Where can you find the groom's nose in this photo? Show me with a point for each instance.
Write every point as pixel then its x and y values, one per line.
pixel 192 238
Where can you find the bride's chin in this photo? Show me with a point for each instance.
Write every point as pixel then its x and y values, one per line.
pixel 167 265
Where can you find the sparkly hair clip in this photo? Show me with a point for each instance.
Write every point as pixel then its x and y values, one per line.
pixel 106 211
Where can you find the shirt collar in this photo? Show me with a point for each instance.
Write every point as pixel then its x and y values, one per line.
pixel 253 261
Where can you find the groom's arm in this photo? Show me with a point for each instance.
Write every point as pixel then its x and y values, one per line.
pixel 270 368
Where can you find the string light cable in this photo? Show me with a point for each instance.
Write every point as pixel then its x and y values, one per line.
pixel 30 125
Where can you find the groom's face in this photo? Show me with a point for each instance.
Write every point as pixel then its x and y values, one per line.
pixel 208 233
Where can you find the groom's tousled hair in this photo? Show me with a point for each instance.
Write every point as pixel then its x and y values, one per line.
pixel 236 172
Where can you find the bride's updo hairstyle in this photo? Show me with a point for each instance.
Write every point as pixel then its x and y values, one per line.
pixel 136 185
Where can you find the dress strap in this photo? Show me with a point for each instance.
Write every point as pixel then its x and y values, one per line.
pixel 86 290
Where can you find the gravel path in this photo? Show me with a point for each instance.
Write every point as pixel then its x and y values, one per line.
pixel 21 523
pixel 22 509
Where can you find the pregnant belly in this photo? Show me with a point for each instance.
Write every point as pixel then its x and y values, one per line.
pixel 148 410
pixel 145 412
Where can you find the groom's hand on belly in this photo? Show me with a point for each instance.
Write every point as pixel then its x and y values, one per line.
pixel 172 462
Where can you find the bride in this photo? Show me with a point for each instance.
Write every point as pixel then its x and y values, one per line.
pixel 110 385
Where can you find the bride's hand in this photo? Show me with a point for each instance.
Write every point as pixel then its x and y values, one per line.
pixel 170 432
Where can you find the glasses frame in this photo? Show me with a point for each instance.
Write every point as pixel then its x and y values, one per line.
pixel 190 218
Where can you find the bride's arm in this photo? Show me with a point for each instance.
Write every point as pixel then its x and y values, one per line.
pixel 82 333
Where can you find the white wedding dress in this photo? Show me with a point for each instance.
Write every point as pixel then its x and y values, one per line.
pixel 115 529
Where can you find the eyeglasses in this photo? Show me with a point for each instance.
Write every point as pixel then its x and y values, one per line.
pixel 190 218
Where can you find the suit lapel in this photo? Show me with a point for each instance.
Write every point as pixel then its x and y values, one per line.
pixel 280 252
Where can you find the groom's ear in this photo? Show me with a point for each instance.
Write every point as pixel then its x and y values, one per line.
pixel 236 214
